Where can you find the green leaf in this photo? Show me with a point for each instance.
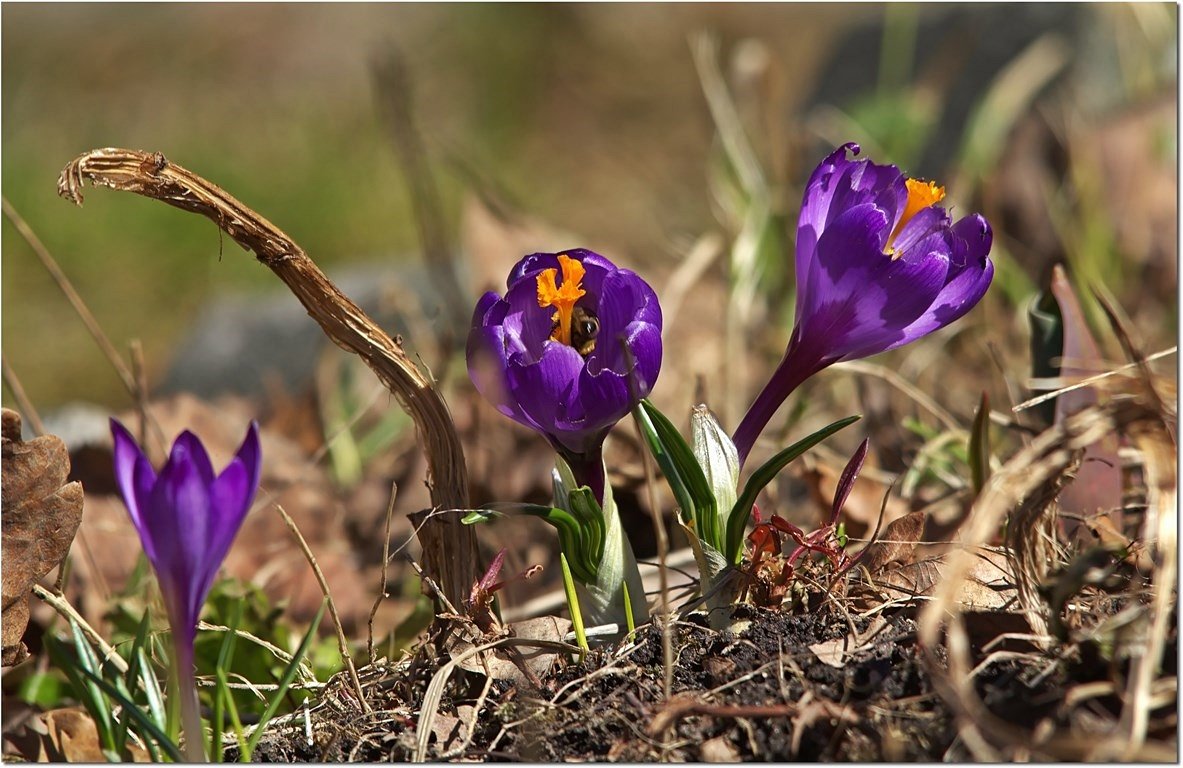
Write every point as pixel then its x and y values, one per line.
pixel 580 530
pixel 737 520
pixel 979 445
pixel 43 689
pixel 682 471
pixel 285 681
pixel 586 509
pixel 147 727
pixel 719 461
pixel 88 665
pixel 604 595
pixel 669 467
pixel 1047 345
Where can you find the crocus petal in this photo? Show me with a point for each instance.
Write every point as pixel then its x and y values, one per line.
pixel 967 287
pixel 626 299
pixel 546 392
pixel 178 518
pixel 546 383
pixel 135 478
pixel 186 517
pixel 875 270
pixel 845 257
pixel 231 495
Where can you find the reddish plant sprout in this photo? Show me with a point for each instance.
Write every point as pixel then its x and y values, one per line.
pixel 480 599
pixel 772 572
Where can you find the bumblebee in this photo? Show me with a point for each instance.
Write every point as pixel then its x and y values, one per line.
pixel 585 327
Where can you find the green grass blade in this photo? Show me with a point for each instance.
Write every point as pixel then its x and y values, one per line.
pixel 88 664
pixel 151 687
pixel 737 521
pixel 147 727
pixel 573 607
pixel 88 694
pixel 225 658
pixel 286 679
pixel 223 690
pixel 979 445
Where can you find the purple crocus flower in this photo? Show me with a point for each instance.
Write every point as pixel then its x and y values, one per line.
pixel 187 518
pixel 573 345
pixel 879 264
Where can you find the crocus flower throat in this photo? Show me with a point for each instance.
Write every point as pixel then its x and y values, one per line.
pixel 921 195
pixel 573 327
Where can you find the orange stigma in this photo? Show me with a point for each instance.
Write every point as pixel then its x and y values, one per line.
pixel 921 195
pixel 561 296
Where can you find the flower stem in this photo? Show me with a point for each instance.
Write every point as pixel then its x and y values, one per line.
pixel 588 469
pixel 186 691
pixel 786 378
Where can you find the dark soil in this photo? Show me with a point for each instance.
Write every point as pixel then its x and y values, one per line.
pixel 758 693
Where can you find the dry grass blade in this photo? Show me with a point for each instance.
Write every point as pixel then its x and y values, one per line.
pixel 449 548
pixel 1161 527
pixel 385 566
pixel 26 405
pixel 1044 460
pixel 435 690
pixel 67 288
pixel 663 551
pixel 392 82
pixel 67 611
pixel 689 271
pixel 1041 383
pixel 903 385
pixel 342 641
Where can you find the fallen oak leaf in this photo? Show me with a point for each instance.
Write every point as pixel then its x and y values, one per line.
pixel 41 514
pixel 988 585
pixel 897 543
pixel 73 738
pixel 517 663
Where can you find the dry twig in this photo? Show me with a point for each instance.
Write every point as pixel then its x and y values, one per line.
pixel 449 548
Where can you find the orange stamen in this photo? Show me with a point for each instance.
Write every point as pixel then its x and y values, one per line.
pixel 561 296
pixel 921 195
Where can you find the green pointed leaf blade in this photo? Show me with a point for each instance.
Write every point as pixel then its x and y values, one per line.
pixel 737 520
pixel 979 445
pixel 285 681
pixel 719 460
pixel 148 728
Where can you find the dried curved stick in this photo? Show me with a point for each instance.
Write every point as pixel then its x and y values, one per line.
pixel 449 547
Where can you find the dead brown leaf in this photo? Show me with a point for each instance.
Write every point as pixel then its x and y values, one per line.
pixel 896 544
pixel 989 585
pixel 505 664
pixel 1096 488
pixel 719 750
pixel 835 652
pixel 73 738
pixel 41 515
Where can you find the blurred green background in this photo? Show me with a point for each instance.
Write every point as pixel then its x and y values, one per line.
pixel 590 117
